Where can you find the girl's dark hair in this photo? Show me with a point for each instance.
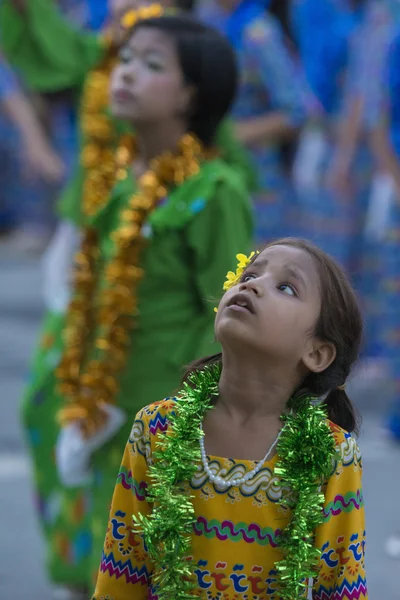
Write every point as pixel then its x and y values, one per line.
pixel 340 323
pixel 208 64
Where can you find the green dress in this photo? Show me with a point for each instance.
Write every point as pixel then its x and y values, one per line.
pixel 192 242
pixel 52 55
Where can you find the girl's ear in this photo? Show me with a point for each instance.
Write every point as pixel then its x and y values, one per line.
pixel 319 356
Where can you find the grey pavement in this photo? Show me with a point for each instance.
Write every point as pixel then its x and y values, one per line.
pixel 22 575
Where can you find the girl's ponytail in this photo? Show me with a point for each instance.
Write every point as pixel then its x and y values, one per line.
pixel 342 411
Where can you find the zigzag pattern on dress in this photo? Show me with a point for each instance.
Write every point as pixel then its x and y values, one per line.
pixel 159 423
pixel 346 591
pixel 119 568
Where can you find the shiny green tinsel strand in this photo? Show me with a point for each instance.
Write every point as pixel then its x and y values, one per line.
pixel 306 450
pixel 167 530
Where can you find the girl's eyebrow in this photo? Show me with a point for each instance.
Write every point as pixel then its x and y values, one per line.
pixel 259 262
pixel 297 274
pixel 293 271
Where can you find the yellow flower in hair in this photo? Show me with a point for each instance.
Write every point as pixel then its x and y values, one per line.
pixel 232 278
pixel 129 19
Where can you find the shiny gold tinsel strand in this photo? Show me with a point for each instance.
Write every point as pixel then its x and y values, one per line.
pixel 87 382
pixel 100 138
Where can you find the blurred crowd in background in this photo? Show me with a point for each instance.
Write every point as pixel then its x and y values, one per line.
pixel 329 71
pixel 327 74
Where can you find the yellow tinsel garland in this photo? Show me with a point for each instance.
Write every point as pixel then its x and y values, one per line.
pixel 87 382
pixel 100 138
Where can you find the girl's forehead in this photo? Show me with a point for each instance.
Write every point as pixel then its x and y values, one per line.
pixel 288 256
pixel 283 252
pixel 150 39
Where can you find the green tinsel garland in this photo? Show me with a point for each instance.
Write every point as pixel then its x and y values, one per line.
pixel 168 529
pixel 306 450
pixel 305 459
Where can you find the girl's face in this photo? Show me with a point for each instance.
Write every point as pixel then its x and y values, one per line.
pixel 148 85
pixel 275 307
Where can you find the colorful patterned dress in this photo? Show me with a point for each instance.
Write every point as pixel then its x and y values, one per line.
pixel 235 541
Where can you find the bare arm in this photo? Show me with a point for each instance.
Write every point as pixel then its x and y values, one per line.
pixel 347 139
pixel 272 127
pixel 276 71
pixel 41 158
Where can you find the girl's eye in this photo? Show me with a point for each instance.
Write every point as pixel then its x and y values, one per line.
pixel 288 289
pixel 248 277
pixel 126 55
pixel 154 65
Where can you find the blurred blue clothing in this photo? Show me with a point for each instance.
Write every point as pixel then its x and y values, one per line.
pixel 90 14
pixel 269 82
pixel 98 14
pixel 322 29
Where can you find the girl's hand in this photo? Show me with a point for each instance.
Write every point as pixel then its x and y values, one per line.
pixel 42 161
pixel 338 180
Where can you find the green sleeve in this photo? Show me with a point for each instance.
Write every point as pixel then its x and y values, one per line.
pixel 235 155
pixel 50 53
pixel 217 234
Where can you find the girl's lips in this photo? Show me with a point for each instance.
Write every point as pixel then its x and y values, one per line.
pixel 238 308
pixel 123 95
pixel 242 301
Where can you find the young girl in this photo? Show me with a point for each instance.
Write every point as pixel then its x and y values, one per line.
pixel 220 516
pixel 177 207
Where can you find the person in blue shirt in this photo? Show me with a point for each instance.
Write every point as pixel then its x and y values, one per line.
pixel 269 109
pixel 23 147
pixel 325 30
pixel 369 188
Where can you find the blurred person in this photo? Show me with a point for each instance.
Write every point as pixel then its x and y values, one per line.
pixel 268 111
pixel 363 110
pixel 386 144
pixel 64 512
pixel 37 165
pixel 325 30
pixel 167 95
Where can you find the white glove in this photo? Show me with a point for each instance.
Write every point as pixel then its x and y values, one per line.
pixel 73 451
